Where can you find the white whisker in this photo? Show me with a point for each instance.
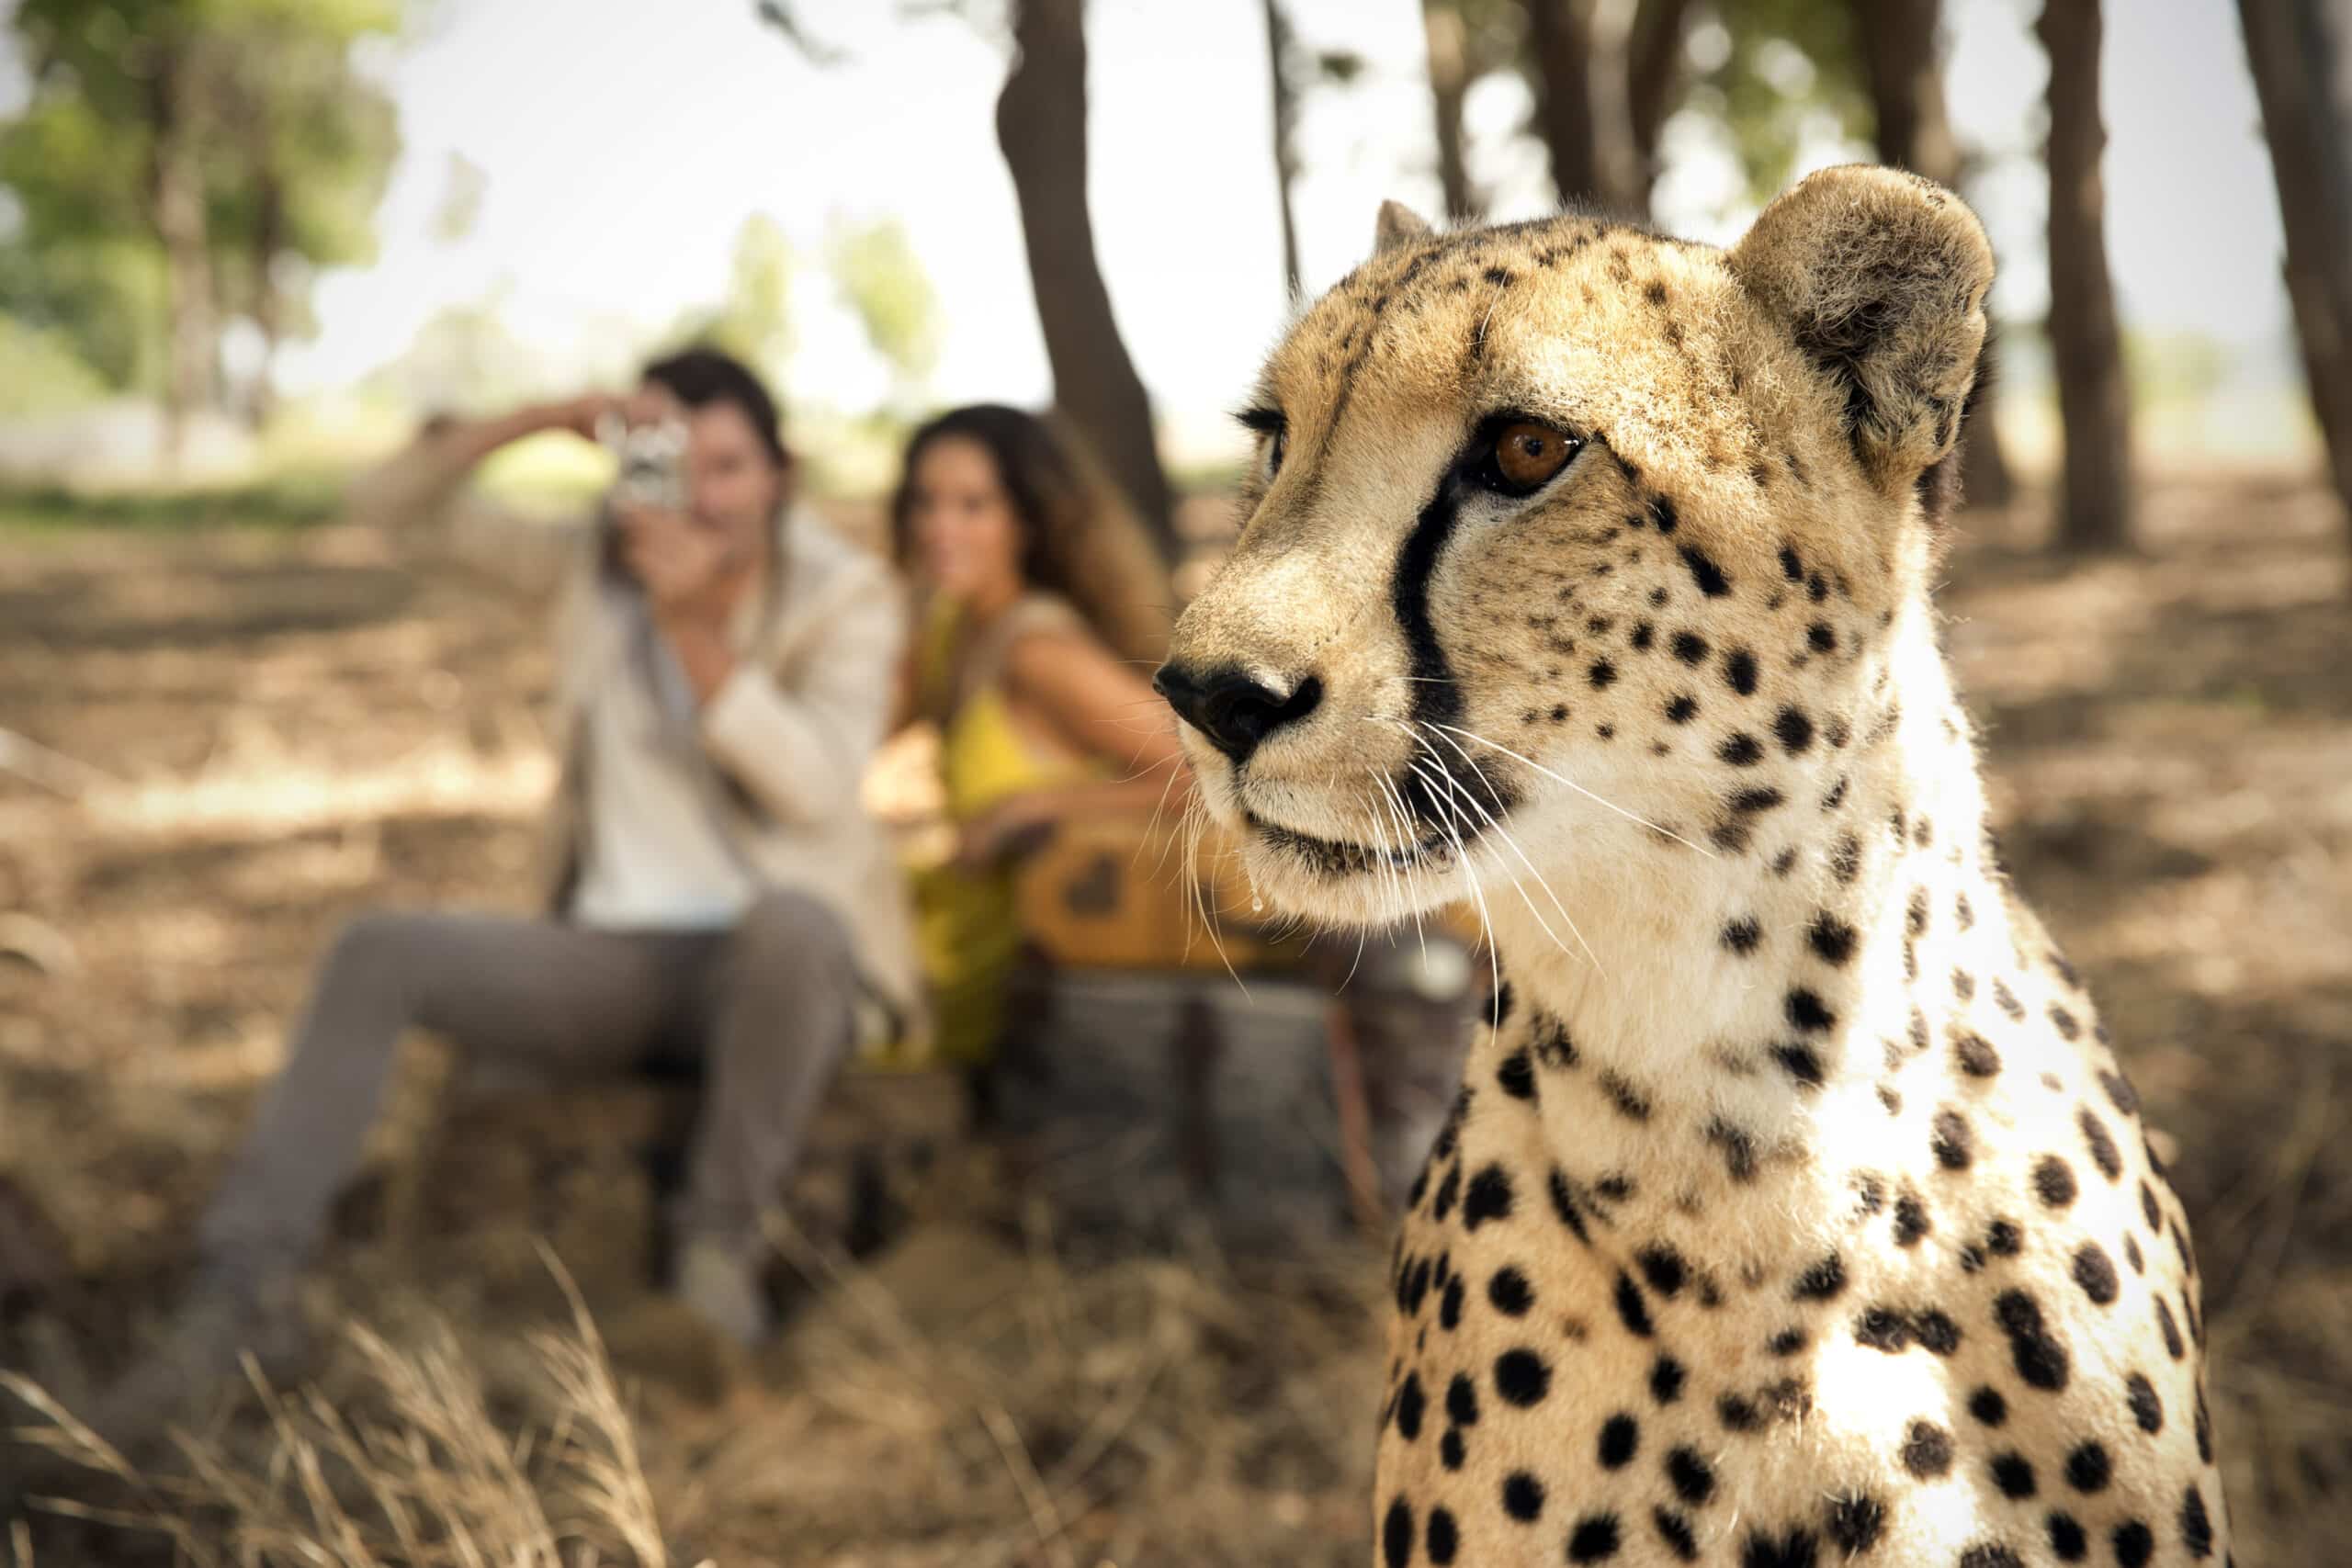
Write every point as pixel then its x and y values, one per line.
pixel 1555 778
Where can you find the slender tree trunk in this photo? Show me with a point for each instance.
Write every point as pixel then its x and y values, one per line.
pixel 191 338
pixel 1902 61
pixel 2302 55
pixel 2094 407
pixel 1654 82
pixel 1580 108
pixel 1285 97
pixel 268 298
pixel 1606 77
pixel 1449 50
pixel 1041 126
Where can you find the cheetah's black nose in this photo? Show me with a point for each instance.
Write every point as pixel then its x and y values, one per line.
pixel 1233 710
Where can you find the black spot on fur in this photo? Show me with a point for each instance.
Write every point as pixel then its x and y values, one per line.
pixel 1509 1294
pixel 2196 1526
pixel 1461 1400
pixel 1742 935
pixel 1806 1012
pixel 1410 1403
pixel 1594 1540
pixel 1831 938
pixel 1490 1197
pixel 1690 647
pixel 1822 1280
pixel 1976 1055
pixel 1523 1378
pixel 1741 751
pixel 1987 1406
pixel 1666 1379
pixel 1703 572
pixel 2038 1355
pixel 1522 1497
pixel 2104 1153
pixel 1739 672
pixel 2088 1468
pixel 1620 1435
pixel 1801 1062
pixel 1926 1451
pixel 2094 1272
pixel 1631 1309
pixel 1517 1076
pixel 1397 1534
pixel 1663 1268
pixel 2147 1410
pixel 1910 1218
pixel 1953 1144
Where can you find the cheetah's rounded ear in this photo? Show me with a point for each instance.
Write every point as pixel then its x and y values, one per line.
pixel 1880 277
pixel 1399 224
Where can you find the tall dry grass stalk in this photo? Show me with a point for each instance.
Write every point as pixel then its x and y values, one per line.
pixel 412 1472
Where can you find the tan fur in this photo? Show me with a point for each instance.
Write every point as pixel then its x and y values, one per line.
pixel 1684 735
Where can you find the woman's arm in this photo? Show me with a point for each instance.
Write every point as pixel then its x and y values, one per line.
pixel 1100 706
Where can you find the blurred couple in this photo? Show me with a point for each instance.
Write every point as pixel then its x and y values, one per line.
pixel 715 894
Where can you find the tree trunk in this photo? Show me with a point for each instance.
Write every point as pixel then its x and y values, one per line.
pixel 191 339
pixel 268 299
pixel 1580 108
pixel 1654 82
pixel 1449 49
pixel 1041 126
pixel 2094 403
pixel 1901 63
pixel 1606 77
pixel 2302 55
pixel 1278 48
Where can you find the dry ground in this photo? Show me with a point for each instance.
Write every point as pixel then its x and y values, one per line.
pixel 304 724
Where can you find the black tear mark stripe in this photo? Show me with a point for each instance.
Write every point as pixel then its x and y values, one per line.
pixel 1436 697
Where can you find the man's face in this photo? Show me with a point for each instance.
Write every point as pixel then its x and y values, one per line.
pixel 733 486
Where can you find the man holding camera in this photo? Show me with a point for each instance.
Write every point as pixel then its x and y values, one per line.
pixel 716 894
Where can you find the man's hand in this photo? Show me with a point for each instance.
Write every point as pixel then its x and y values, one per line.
pixel 681 564
pixel 580 415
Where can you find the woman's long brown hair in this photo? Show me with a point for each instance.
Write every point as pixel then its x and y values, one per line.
pixel 1077 537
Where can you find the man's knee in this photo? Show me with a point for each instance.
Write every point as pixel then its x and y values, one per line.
pixel 790 936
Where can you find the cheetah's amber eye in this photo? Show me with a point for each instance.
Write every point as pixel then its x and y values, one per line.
pixel 1527 454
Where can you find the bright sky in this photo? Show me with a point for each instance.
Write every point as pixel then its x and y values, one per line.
pixel 625 143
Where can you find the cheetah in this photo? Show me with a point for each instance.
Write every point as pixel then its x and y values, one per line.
pixel 1794 1209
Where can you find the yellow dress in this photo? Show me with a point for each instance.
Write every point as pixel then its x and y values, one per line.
pixel 965 926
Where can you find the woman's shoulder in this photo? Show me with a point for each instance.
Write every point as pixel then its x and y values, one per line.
pixel 1039 614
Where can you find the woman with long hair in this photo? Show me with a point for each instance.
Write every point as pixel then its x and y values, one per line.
pixel 1042 610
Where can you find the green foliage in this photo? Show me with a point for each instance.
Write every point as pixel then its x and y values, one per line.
pixel 39 372
pixel 1773 71
pixel 291 146
pixel 883 283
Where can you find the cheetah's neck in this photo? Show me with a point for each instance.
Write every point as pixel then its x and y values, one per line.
pixel 1752 1030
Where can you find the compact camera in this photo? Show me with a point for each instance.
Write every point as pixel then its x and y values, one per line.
pixel 652 461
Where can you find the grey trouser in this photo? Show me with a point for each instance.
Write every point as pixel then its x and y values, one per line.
pixel 767 1008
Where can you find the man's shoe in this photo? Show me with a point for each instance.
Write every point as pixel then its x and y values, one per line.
pixel 721 1285
pixel 225 1315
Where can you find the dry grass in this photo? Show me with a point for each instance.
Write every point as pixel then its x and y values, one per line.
pixel 405 1469
pixel 2170 751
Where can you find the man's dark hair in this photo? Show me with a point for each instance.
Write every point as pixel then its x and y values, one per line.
pixel 700 375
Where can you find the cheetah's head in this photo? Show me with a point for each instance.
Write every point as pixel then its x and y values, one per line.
pixel 1558 526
